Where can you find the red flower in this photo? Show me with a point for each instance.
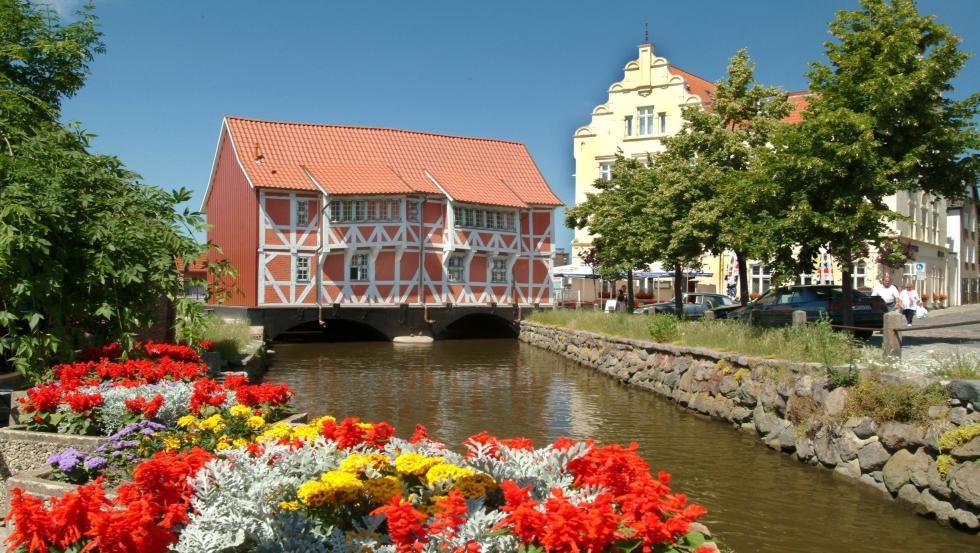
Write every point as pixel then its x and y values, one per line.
pixel 234 381
pixel 525 444
pixel 351 432
pixel 404 526
pixel 484 442
pixel 206 345
pixel 450 515
pixel 420 434
pixel 81 403
pixel 207 392
pixel 42 398
pixel 148 409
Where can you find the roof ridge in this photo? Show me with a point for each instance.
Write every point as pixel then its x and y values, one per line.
pixel 695 75
pixel 371 128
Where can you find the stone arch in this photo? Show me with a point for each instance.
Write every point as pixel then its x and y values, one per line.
pixel 477 326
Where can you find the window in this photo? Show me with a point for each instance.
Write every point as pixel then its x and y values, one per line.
pixel 357 211
pixel 605 170
pixel 662 122
pixel 759 279
pixel 629 125
pixel 302 269
pixel 858 274
pixel 302 213
pixel 483 218
pixel 412 211
pixel 645 119
pixel 359 266
pixel 455 268
pixel 805 279
pixel 498 270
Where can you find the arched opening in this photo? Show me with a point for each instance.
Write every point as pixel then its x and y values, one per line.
pixel 334 330
pixel 478 326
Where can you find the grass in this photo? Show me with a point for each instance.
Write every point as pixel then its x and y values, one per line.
pixel 813 343
pixel 884 401
pixel 231 338
pixel 957 365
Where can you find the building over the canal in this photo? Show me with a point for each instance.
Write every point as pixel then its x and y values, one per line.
pixel 330 215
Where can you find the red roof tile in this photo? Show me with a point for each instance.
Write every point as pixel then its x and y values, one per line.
pixel 477 188
pixel 367 160
pixel 698 86
pixel 799 102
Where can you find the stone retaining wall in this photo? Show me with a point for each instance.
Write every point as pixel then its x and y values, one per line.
pixel 791 407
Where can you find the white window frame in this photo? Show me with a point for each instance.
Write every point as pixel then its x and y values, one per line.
pixel 498 270
pixel 628 123
pixel 859 271
pixel 644 119
pixel 302 273
pixel 760 278
pixel 662 122
pixel 605 170
pixel 359 266
pixel 302 212
pixel 455 268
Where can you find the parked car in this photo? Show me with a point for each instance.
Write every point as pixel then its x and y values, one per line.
pixel 695 305
pixel 775 308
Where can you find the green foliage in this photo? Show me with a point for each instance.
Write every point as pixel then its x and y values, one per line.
pixel 86 250
pixel 959 436
pixel 663 327
pixel 230 338
pixel 893 401
pixel 957 365
pixel 842 377
pixel 810 343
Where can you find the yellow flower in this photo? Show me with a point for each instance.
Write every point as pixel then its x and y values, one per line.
pixel 358 463
pixel 381 490
pixel 289 505
pixel 446 473
pixel 341 487
pixel 239 442
pixel 239 411
pixel 171 443
pixel 313 493
pixel 365 425
pixel 255 422
pixel 305 432
pixel 276 431
pixel 415 464
pixel 222 446
pixel 187 421
pixel 475 486
pixel 214 422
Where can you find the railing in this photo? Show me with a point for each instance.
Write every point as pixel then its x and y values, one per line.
pixel 893 325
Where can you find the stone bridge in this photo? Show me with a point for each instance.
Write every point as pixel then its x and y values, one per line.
pixel 354 322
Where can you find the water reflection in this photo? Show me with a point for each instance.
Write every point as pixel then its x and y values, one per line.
pixel 758 500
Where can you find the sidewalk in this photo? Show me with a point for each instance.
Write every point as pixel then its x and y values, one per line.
pixel 920 347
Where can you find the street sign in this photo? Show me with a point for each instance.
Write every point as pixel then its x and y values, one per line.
pixel 920 270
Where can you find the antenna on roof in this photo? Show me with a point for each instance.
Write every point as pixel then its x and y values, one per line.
pixel 646 31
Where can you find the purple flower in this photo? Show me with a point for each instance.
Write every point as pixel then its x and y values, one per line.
pixel 94 463
pixel 67 460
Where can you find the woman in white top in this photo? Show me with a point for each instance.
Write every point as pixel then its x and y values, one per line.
pixel 909 300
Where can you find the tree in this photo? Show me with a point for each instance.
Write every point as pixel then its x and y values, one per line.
pixel 880 121
pixel 86 250
pixel 615 216
pixel 726 205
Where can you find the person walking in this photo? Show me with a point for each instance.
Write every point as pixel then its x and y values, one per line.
pixel 909 300
pixel 887 292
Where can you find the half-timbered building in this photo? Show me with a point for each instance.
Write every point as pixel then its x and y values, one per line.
pixel 314 214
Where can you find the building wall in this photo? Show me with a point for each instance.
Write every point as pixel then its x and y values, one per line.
pixel 647 83
pixel 404 260
pixel 963 233
pixel 232 212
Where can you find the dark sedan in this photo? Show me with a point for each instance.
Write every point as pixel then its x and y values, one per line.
pixel 775 308
pixel 695 305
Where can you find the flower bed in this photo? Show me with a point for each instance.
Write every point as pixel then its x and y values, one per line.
pixel 353 486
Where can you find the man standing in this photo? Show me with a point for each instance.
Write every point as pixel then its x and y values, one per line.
pixel 888 292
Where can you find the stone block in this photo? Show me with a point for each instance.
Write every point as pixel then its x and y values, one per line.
pixel 863 427
pixel 910 495
pixel 899 435
pixel 967 391
pixel 873 456
pixel 964 481
pixel 835 402
pixel 896 470
pixel 967 452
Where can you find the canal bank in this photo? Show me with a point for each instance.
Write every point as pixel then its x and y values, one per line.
pixel 793 409
pixel 758 499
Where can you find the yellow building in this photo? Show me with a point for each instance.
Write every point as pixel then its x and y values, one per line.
pixel 642 108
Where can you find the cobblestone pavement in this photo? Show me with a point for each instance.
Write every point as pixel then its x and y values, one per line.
pixel 921 348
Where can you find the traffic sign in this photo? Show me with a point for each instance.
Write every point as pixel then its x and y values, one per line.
pixel 920 270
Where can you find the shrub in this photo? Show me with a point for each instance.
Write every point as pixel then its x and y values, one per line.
pixel 231 338
pixel 885 401
pixel 957 365
pixel 663 327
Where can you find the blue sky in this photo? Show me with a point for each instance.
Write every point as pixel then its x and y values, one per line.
pixel 529 71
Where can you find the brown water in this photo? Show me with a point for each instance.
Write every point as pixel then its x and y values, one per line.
pixel 758 500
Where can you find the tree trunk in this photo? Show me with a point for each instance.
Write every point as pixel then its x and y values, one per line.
pixel 743 278
pixel 629 291
pixel 847 299
pixel 678 291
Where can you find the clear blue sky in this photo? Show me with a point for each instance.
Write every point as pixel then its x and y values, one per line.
pixel 529 71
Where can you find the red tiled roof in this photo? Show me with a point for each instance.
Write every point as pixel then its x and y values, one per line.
pixel 799 102
pixel 365 160
pixel 701 88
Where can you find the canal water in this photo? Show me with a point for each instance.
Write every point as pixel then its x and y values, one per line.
pixel 757 499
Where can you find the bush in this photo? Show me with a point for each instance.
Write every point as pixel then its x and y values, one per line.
pixel 885 401
pixel 957 365
pixel 663 327
pixel 231 338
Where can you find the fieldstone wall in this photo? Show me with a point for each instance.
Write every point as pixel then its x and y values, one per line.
pixel 793 409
